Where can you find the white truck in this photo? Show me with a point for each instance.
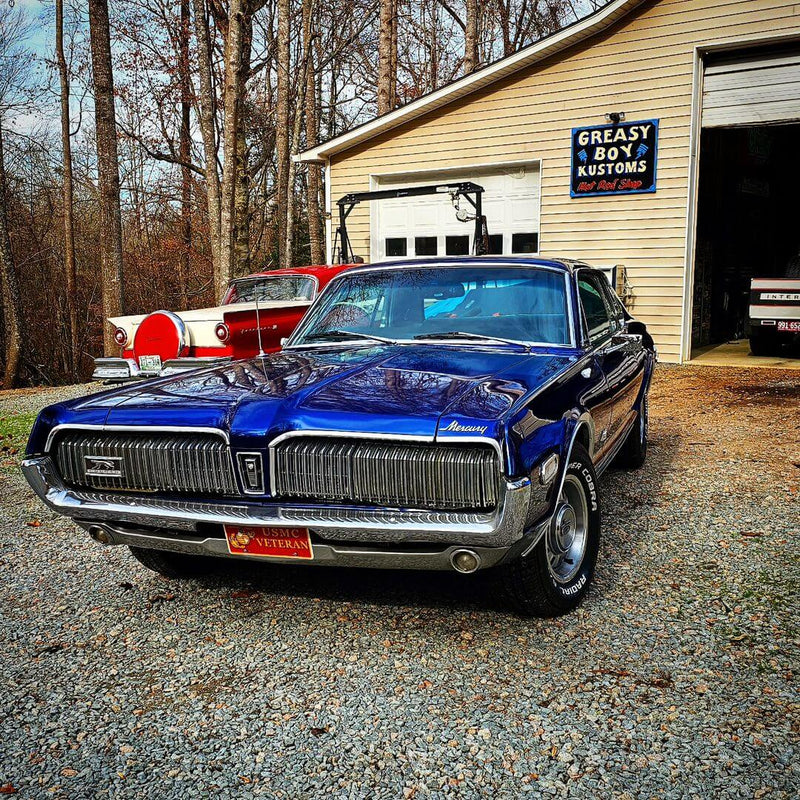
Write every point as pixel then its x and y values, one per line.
pixel 774 314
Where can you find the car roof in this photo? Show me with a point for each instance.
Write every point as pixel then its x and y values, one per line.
pixel 313 269
pixel 329 270
pixel 566 264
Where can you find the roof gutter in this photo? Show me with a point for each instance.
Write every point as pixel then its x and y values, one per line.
pixel 573 34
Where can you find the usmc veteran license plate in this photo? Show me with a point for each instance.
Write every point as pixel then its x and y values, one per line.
pixel 269 542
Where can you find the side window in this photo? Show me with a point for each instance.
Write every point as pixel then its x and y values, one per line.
pixel 595 310
pixel 615 306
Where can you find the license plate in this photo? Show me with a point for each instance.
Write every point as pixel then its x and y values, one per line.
pixel 789 325
pixel 269 542
pixel 150 363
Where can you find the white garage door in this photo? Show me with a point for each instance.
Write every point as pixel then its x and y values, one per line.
pixel 742 89
pixel 427 225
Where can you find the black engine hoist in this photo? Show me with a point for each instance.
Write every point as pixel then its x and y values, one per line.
pixel 343 250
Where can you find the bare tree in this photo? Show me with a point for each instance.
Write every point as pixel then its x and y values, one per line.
pixel 207 115
pixel 13 78
pixel 312 135
pixel 282 123
pixel 185 152
pixel 387 56
pixel 12 303
pixel 471 37
pixel 232 102
pixel 237 26
pixel 70 269
pixel 241 221
pixel 107 167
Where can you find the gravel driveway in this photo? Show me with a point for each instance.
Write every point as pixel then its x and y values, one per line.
pixel 677 678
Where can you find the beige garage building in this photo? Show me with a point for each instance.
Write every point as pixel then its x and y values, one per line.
pixel 720 82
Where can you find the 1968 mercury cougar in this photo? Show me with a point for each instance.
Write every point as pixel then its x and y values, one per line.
pixel 449 414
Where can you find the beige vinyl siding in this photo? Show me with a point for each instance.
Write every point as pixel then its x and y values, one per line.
pixel 644 66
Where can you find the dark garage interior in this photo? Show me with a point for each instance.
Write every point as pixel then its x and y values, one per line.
pixel 747 223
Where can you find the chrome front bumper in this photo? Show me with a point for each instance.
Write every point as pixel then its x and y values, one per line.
pixel 338 554
pixel 178 524
pixel 121 370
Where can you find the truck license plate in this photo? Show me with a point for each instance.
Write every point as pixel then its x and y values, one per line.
pixel 269 542
pixel 789 325
pixel 150 363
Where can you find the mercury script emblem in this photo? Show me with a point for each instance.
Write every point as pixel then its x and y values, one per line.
pixel 103 466
pixel 457 427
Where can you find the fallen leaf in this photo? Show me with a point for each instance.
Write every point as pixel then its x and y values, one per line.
pixel 7 788
pixel 161 598
pixel 318 731
pixel 34 523
pixel 242 593
pixel 68 772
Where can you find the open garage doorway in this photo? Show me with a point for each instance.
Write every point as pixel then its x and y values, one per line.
pixel 747 206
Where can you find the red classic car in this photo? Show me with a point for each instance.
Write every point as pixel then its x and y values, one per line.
pixel 165 342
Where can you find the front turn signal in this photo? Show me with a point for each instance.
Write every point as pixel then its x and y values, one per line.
pixel 548 469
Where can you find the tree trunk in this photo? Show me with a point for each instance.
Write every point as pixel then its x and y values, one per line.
pixel 108 169
pixel 295 146
pixel 393 68
pixel 386 64
pixel 471 37
pixel 185 147
pixel 282 122
pixel 232 101
pixel 206 115
pixel 241 246
pixel 70 270
pixel 312 134
pixel 12 302
pixel 433 44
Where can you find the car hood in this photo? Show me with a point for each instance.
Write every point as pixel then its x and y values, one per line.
pixel 405 389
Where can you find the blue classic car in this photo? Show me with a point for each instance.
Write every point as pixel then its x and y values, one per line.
pixel 447 414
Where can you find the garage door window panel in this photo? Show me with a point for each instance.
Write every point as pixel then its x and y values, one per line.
pixel 456 245
pixel 524 242
pixel 396 247
pixel 426 246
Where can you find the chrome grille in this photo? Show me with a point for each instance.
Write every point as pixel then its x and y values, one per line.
pixel 382 473
pixel 148 462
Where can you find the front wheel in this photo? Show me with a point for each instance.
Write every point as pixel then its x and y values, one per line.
pixel 555 576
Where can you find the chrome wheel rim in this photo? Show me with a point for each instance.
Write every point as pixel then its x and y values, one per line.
pixel 567 535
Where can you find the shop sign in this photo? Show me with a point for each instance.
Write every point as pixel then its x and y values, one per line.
pixel 614 159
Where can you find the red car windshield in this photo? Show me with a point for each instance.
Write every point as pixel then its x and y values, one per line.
pixel 271 288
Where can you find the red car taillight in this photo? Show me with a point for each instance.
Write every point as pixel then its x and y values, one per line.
pixel 223 332
pixel 121 337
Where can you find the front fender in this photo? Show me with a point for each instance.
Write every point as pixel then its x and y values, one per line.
pixel 531 441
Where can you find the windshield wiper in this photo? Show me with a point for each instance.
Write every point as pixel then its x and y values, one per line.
pixel 340 334
pixel 466 335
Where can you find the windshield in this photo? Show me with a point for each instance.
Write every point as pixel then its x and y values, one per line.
pixel 521 304
pixel 272 288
